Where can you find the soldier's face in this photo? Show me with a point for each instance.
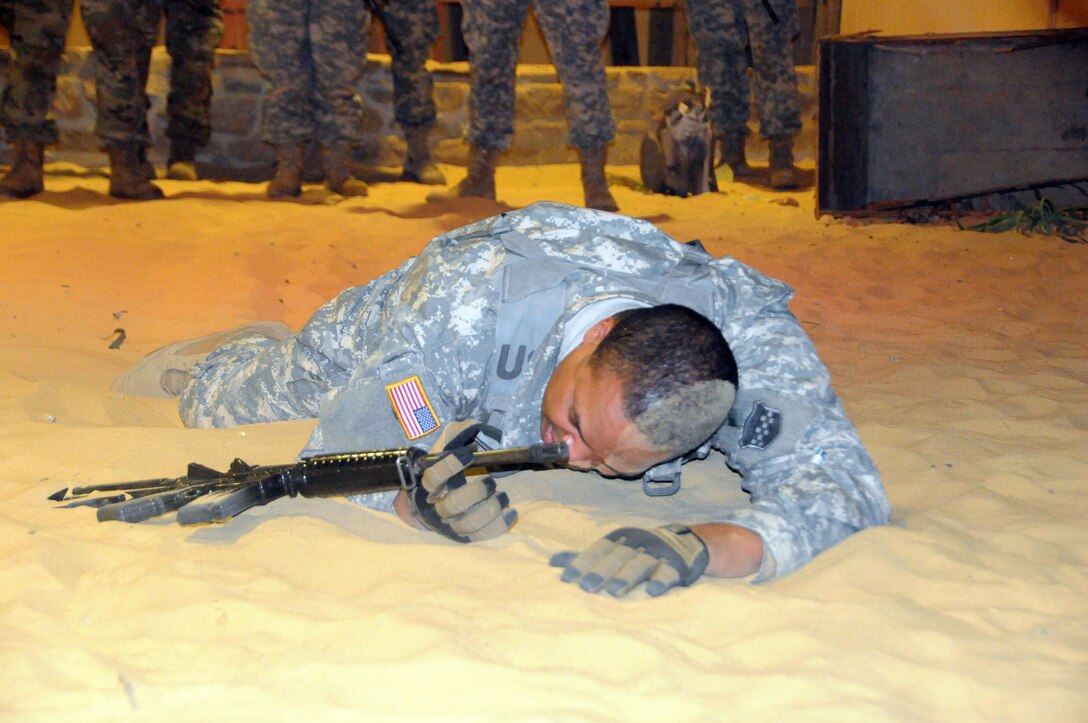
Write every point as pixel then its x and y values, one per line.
pixel 584 408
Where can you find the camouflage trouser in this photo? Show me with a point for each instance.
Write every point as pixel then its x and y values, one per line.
pixel 311 54
pixel 193 29
pixel 414 24
pixel 573 30
pixel 123 33
pixel 722 29
pixel 254 379
pixel 37 29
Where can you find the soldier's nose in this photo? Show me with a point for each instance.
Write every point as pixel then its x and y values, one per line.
pixel 580 455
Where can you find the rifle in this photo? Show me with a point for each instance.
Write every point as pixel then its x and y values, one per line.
pixel 204 495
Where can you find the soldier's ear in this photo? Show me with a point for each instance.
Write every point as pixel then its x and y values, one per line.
pixel 599 330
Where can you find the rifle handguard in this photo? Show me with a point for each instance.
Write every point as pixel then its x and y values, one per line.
pixel 339 475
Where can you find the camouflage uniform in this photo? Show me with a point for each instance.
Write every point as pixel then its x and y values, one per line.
pixel 574 30
pixel 37 29
pixel 722 29
pixel 475 324
pixel 414 24
pixel 123 32
pixel 193 30
pixel 309 54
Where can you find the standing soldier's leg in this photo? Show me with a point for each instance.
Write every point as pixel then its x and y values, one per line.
pixel 37 32
pixel 574 30
pixel 492 30
pixel 775 82
pixel 414 26
pixel 193 29
pixel 122 33
pixel 279 43
pixel 336 32
pixel 721 36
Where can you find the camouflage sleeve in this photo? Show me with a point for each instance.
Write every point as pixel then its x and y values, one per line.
pixel 810 481
pixel 423 368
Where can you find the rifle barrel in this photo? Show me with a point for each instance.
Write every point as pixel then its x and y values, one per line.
pixel 542 453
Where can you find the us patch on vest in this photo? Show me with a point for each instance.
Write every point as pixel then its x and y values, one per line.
pixel 413 409
pixel 761 427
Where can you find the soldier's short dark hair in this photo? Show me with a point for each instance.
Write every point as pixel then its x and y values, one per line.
pixel 678 373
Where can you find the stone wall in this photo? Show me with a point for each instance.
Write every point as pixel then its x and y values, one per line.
pixel 236 150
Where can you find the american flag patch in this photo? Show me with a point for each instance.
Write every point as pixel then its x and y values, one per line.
pixel 413 409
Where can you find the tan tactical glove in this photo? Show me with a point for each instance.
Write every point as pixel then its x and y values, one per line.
pixel 445 501
pixel 663 558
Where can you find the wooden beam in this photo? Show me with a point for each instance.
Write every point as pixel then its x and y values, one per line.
pixel 907 120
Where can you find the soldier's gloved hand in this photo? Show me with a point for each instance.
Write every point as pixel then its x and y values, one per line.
pixel 662 557
pixel 445 501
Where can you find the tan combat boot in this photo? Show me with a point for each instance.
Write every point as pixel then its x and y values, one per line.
pixel 181 164
pixel 480 181
pixel 147 168
pixel 25 177
pixel 419 163
pixel 594 183
pixel 164 372
pixel 287 181
pixel 337 177
pixel 731 150
pixel 128 174
pixel 783 173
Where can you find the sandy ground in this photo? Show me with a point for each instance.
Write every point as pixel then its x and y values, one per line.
pixel 960 356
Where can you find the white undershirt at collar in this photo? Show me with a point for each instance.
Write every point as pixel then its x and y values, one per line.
pixel 591 314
